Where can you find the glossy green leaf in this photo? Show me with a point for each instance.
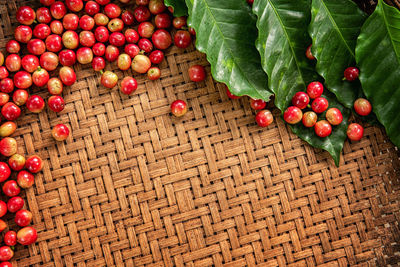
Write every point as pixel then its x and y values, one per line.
pixel 335 25
pixel 226 32
pixel 282 42
pixel 378 57
pixel 179 6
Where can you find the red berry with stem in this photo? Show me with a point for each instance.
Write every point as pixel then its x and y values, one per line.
pixel 13 47
pixel 182 39
pixel 315 89
pixel 319 105
pixel 25 179
pixel 5 171
pixel 323 128
pixel 145 45
pixel 109 79
pixel 35 104
pixel 40 77
pixel 292 115
pixel 124 62
pixel 154 73
pixel 264 118
pixel 162 21
pixel 23 218
pixel 128 85
pixel 300 100
pixel 34 164
pixel 14 204
pixel 309 54
pixel 11 188
pixel 141 14
pixel 27 236
pixel 355 132
pixel 161 39
pixel 362 107
pixel 179 108
pixel 98 64
pixel 197 73
pixel 60 132
pixel 55 86
pixel 334 116
pixel 141 64
pixel 156 57
pixel 56 103
pixel 16 162
pixel 10 239
pixel 131 36
pixel 351 74
pixel 257 104
pixel 25 15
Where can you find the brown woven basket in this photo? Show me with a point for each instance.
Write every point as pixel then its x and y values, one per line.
pixel 134 186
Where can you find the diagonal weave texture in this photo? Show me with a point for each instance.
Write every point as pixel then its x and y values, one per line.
pixel 133 186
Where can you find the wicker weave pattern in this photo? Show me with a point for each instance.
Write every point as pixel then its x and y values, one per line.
pixel 134 186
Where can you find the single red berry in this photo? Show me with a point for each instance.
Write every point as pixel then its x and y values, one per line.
pixel 49 60
pixel 156 57
pixel 35 104
pixel 3 208
pixel 7 129
pixel 124 61
pixel 309 54
pixel 10 239
pixel 27 236
pixel 43 15
pixel 23 218
pixel 146 29
pixel 141 13
pixel 5 171
pixel 257 104
pixel 154 73
pixel 11 188
pixel 145 45
pixel 315 89
pixel 128 18
pixel 86 23
pixel 362 107
pixel 55 86
pixel 112 53
pixel 162 21
pixel 56 103
pixel 132 50
pixel 25 15
pixel 34 164
pixel 16 162
pixel 179 108
pixel 25 179
pixel 117 39
pixel 156 6
pixel 264 118
pixel 182 39
pixel 112 11
pixel 179 22
pixel 161 39
pixel 128 85
pixel 92 8
pixel 323 128
pixel 131 36
pixel 292 115
pixel 319 105
pixel 309 119
pixel 334 116
pixel 98 64
pixel 197 73
pixel 229 94
pixel 141 64
pixel 13 47
pixel 351 73
pixel 99 49
pixel 109 79
pixel 355 132
pixel 300 100
pixel 60 132
pixel 14 204
pixel 6 253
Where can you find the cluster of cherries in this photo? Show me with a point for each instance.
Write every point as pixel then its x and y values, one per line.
pixel 333 116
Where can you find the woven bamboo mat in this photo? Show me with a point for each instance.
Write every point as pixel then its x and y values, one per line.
pixel 133 186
